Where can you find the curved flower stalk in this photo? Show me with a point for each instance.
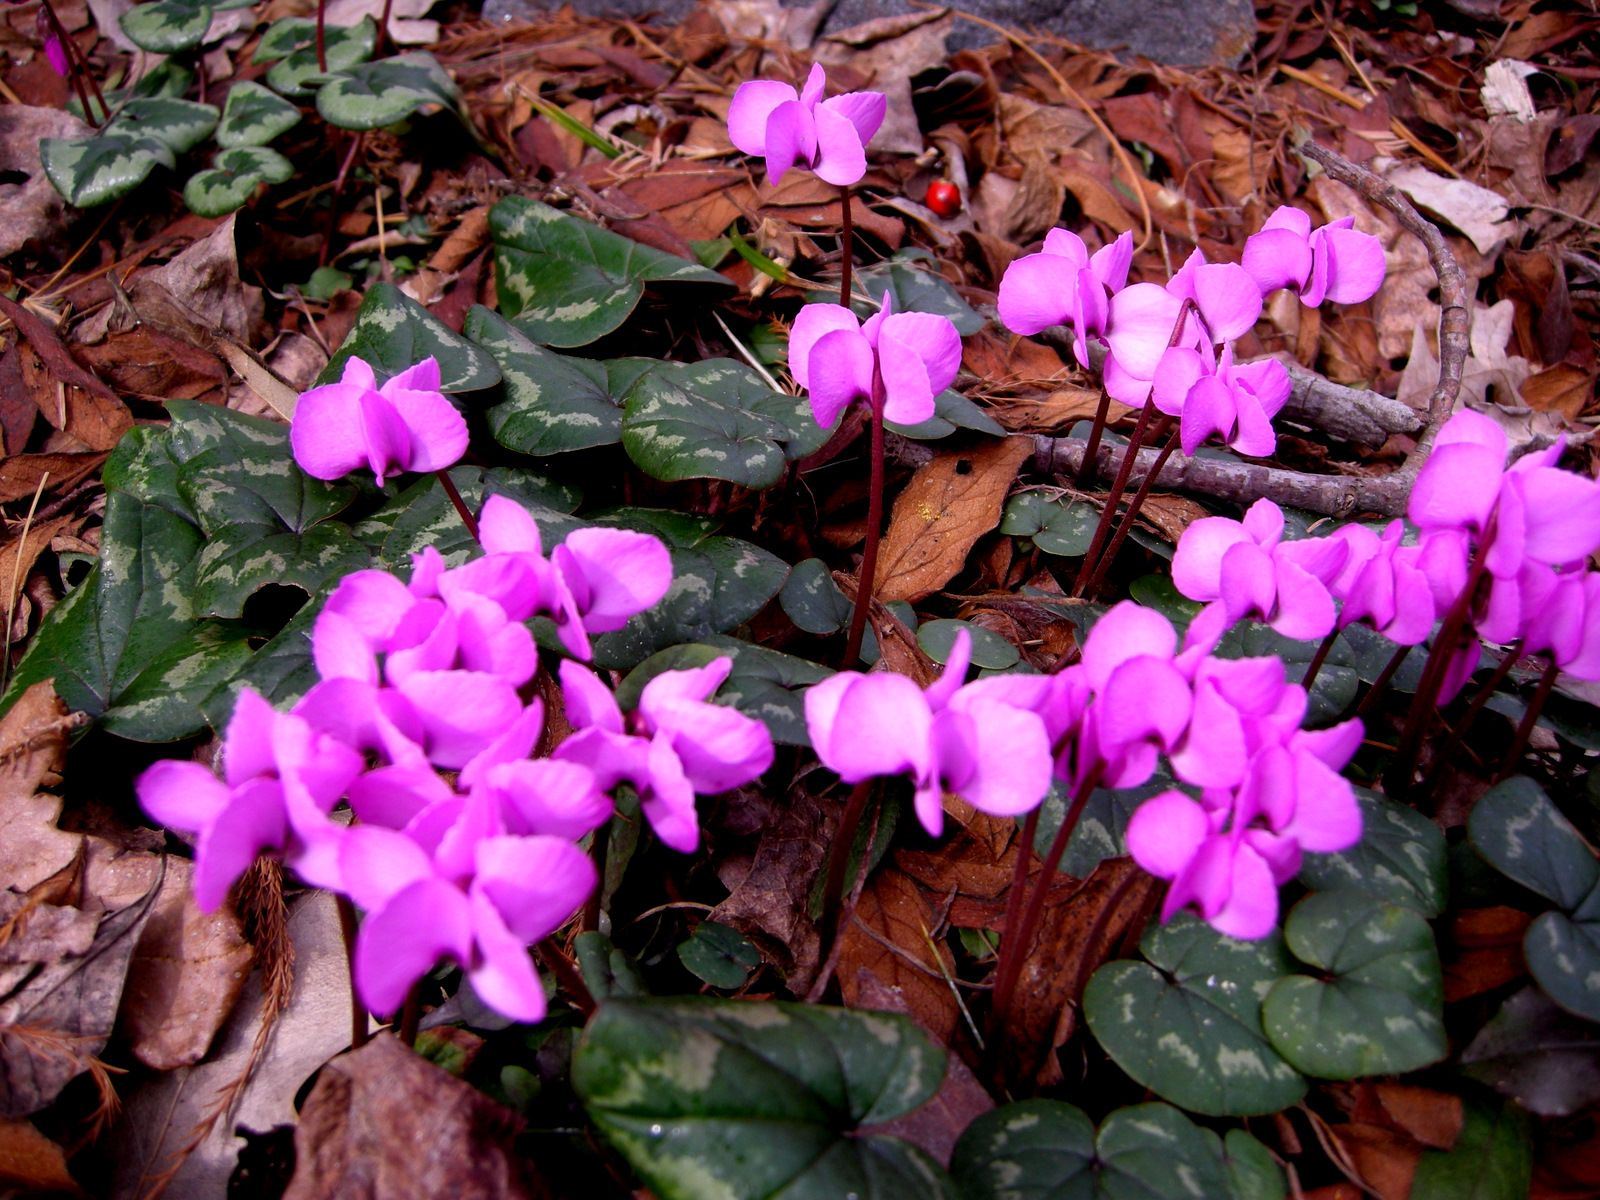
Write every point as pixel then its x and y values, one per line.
pixel 463 847
pixel 897 363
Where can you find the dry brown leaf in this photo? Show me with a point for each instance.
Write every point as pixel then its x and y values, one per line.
pixel 886 53
pixel 888 942
pixel 33 746
pixel 32 1162
pixel 1562 389
pixel 185 977
pixel 382 1122
pixel 17 556
pixel 34 210
pixel 21 474
pixel 153 365
pixel 948 505
pixel 1170 515
pixel 1433 1118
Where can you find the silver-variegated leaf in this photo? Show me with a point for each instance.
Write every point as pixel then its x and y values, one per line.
pixel 343 46
pixel 393 332
pixel 149 132
pixel 167 26
pixel 377 94
pixel 1376 1005
pixel 567 282
pixel 1401 857
pixel 234 178
pixel 254 115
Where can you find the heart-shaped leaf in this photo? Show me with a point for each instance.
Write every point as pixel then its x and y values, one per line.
pixel 283 670
pixel 125 647
pixel 720 955
pixel 715 420
pixel 990 651
pixel 718 583
pixel 813 600
pixel 1056 524
pixel 295 48
pixel 916 288
pixel 1189 1026
pixel 739 1100
pixel 566 282
pixel 233 179
pixel 167 26
pixel 1377 1006
pixel 1563 955
pixel 1539 1055
pixel 1401 857
pixel 1492 1159
pixel 1048 1150
pixel 376 94
pixel 393 333
pixel 553 402
pixel 1516 828
pixel 254 115
pixel 765 684
pixel 422 515
pixel 149 132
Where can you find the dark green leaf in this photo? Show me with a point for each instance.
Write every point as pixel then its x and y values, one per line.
pixel 1056 524
pixel 1539 1055
pixel 1491 1160
pixel 951 411
pixel 990 651
pixel 1376 1007
pixel 147 133
pixel 167 26
pixel 375 94
pixel 344 46
pixel 726 1100
pixel 566 282
pixel 282 671
pixel 715 420
pixel 233 179
pixel 765 684
pixel 1048 1150
pixel 553 402
pixel 393 333
pixel 1564 957
pixel 916 289
pixel 720 955
pixel 1524 836
pixel 607 971
pixel 254 115
pixel 813 600
pixel 1189 1027
pixel 422 515
pixel 1401 857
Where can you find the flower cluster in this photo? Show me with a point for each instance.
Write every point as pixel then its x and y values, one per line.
pixel 1229 728
pixel 1171 345
pixel 462 845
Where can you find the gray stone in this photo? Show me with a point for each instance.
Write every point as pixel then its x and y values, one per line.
pixel 1189 33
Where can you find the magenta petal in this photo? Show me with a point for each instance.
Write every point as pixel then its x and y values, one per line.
pixel 589 701
pixel 400 942
pixel 248 749
pixel 1327 818
pixel 940 691
pixel 550 796
pixel 839 369
pixel 752 105
pixel 1013 763
pixel 438 432
pixel 722 748
pixel 1456 487
pixel 507 528
pixel 626 571
pixel 668 799
pixel 377 863
pixel 1146 698
pixel 327 433
pixel 461 711
pixel 1249 584
pixel 1276 258
pixel 1253 435
pixel 1213 755
pixel 420 377
pixel 933 339
pixel 868 725
pixel 1127 630
pixel 864 110
pixel 1251 909
pixel 1063 243
pixel 1164 833
pixel 1197 563
pixel 1565 512
pixel 841 156
pixel 1228 298
pixel 1355 264
pixel 791 139
pixel 536 883
pixel 1208 409
pixel 1110 263
pixel 1466 427
pixel 502 973
pixel 340 650
pixel 814 322
pixel 253 822
pixel 1178 371
pixel 182 795
pixel 1140 327
pixel 1034 293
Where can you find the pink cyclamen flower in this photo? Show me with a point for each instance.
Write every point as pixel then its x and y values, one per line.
pixel 1213 396
pixel 1333 262
pixel 1065 285
pixel 830 137
pixel 904 359
pixel 505 894
pixel 1383 584
pixel 676 743
pixel 280 780
pixel 964 740
pixel 406 425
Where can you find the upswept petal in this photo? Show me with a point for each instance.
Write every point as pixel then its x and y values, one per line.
pixel 814 322
pixel 589 702
pixel 1355 264
pixel 719 747
pixel 502 974
pixel 327 434
pixel 400 942
pixel 816 82
pixel 1164 833
pixel 868 725
pixel 1035 292
pixel 840 371
pixel 667 799
pixel 941 690
pixel 536 883
pixel 182 795
pixel 1276 258
pixel 932 338
pixel 248 747
pixel 752 105
pixel 420 377
pixel 1144 698
pixel 1179 370
pixel 392 796
pixel 252 822
pixel 1249 582
pixel 1457 487
pixel 1207 409
pixel 1012 763
pixel 1229 300
pixel 1197 562
pixel 1110 263
pixel 438 433
pixel 1564 508
pixel 1251 909
pixel 505 527
pixel 1305 610
pixel 841 155
pixel 1288 217
pixel 549 796
pixel 864 110
pixel 626 572
pixel 387 438
pixel 461 711
pixel 1063 243
pixel 791 139
pixel 376 863
pixel 676 688
pixel 1139 328
pixel 1128 630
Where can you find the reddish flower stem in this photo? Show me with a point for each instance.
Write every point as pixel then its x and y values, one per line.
pixel 1139 497
pixel 869 553
pixel 1091 452
pixel 567 974
pixel 1382 681
pixel 462 510
pixel 411 1016
pixel 322 46
pixel 359 1029
pixel 846 247
pixel 838 863
pixel 1320 657
pixel 1547 683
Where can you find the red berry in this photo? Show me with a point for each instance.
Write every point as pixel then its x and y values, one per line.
pixel 944 198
